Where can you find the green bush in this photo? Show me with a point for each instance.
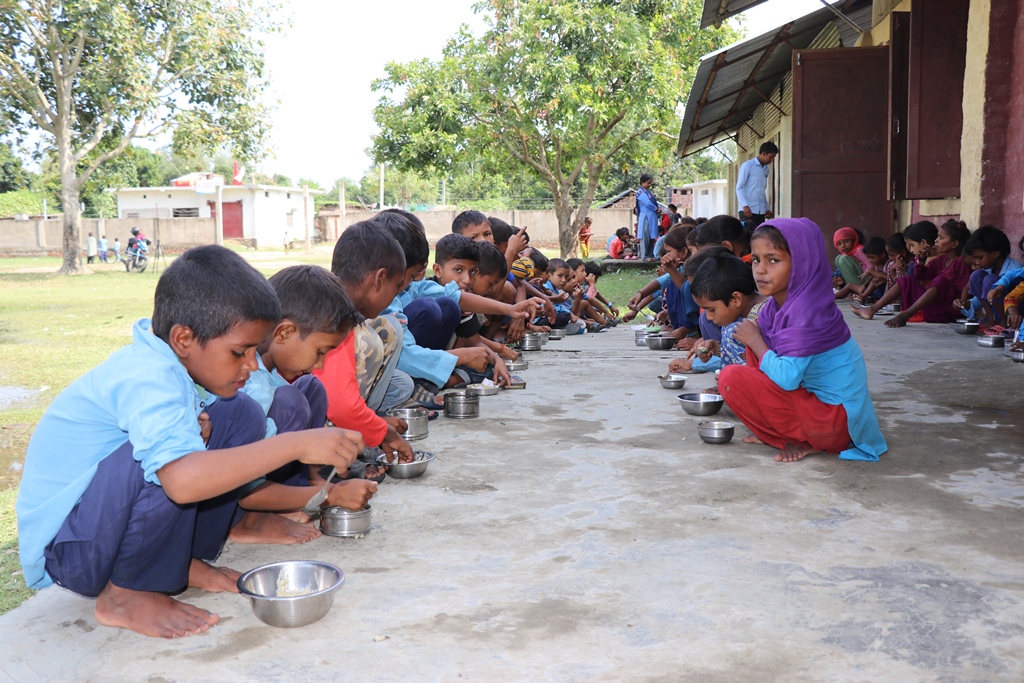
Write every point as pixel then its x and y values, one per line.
pixel 21 201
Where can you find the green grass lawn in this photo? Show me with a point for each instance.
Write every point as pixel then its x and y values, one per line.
pixel 54 328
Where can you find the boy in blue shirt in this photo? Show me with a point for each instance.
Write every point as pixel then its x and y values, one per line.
pixel 131 477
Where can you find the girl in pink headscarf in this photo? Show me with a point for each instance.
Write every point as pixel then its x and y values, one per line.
pixel 851 262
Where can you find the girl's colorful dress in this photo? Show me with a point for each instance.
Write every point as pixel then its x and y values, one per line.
pixel 947 275
pixel 852 264
pixel 811 386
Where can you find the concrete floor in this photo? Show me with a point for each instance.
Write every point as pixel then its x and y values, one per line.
pixel 581 531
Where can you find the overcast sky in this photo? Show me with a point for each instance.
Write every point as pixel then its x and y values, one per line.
pixel 322 67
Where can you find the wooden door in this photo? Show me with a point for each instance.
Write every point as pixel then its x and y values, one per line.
pixel 840 140
pixel 232 220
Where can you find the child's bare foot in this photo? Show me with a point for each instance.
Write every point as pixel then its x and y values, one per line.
pixel 299 516
pixel 151 614
pixel 268 527
pixel 899 320
pixel 794 452
pixel 750 438
pixel 866 313
pixel 212 579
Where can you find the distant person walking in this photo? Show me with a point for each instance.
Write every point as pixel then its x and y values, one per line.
pixel 751 184
pixel 90 248
pixel 647 226
pixel 102 245
pixel 117 250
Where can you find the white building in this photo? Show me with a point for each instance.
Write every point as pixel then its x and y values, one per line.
pixel 710 198
pixel 269 214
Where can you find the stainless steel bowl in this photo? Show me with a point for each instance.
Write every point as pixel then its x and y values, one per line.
pixel 517 365
pixel 557 333
pixel 701 404
pixel 658 343
pixel 990 341
pixel 316 581
pixel 530 343
pixel 418 420
pixel 543 336
pixel 893 308
pixel 965 327
pixel 716 432
pixel 672 381
pixel 1017 356
pixel 461 405
pixel 337 521
pixel 407 470
pixel 641 340
pixel 483 389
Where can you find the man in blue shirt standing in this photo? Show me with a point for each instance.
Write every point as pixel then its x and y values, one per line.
pixel 751 183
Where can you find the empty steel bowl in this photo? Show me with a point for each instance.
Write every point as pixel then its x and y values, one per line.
pixel 557 333
pixel 991 341
pixel 716 432
pixel 416 418
pixel 966 327
pixel 337 521
pixel 483 389
pixel 701 404
pixel 893 308
pixel 293 593
pixel 517 365
pixel 641 339
pixel 461 405
pixel 1017 356
pixel 672 381
pixel 658 343
pixel 407 470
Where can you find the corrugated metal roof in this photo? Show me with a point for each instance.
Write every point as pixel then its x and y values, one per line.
pixel 717 11
pixel 733 82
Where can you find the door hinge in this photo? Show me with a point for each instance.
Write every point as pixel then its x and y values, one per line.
pixel 798 59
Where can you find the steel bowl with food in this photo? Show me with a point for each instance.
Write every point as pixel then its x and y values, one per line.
pixel 992 341
pixel 339 521
pixel 517 365
pixel 716 432
pixel 701 404
pixel 966 327
pixel 672 381
pixel 406 470
pixel 530 343
pixel 292 593
pixel 557 333
pixel 461 405
pixel 641 339
pixel 483 389
pixel 417 420
pixel 660 343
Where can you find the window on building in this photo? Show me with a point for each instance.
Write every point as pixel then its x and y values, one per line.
pixel 192 212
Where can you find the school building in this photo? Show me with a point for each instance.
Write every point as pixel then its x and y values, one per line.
pixel 885 112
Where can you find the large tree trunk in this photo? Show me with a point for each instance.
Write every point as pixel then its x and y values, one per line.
pixel 568 240
pixel 69 198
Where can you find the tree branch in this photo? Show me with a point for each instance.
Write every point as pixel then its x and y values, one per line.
pixel 107 156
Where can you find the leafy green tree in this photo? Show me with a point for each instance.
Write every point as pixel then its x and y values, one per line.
pixel 92 75
pixel 13 175
pixel 564 89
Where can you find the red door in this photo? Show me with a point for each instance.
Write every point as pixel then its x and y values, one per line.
pixel 840 140
pixel 232 219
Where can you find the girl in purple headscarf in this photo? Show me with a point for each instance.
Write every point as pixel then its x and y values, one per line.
pixel 805 387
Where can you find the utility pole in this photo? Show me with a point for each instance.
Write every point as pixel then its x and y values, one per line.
pixel 305 215
pixel 444 191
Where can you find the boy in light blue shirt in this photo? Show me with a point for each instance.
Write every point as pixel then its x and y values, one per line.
pixel 131 477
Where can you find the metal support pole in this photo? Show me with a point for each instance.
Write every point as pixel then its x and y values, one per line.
pixel 306 216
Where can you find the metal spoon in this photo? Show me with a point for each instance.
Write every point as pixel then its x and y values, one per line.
pixel 313 506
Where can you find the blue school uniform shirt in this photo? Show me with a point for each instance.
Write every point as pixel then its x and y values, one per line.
pixel 974 306
pixel 563 307
pixel 836 377
pixel 261 387
pixel 141 393
pixel 415 360
pixel 1011 276
pixel 683 311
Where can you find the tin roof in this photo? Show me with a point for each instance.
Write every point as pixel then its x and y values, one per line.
pixel 717 11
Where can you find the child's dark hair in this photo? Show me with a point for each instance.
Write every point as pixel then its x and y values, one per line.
pixel 719 276
pixel 574 263
pixel 413 242
pixel 694 263
pixel 957 230
pixel 455 246
pixel 314 299
pixel 688 220
pixel 768 148
pixel 990 239
pixel 491 260
pixel 897 243
pixel 673 207
pixel 466 219
pixel 922 231
pixel 500 230
pixel 622 234
pixel 540 261
pixel 723 228
pixel 211 289
pixel 772 234
pixel 556 263
pixel 364 247
pixel 409 216
pixel 593 268
pixel 875 246
pixel 644 177
pixel 676 238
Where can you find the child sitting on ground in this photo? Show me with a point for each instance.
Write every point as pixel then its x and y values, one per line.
pixel 851 262
pixel 940 275
pixel 989 250
pixel 474 225
pixel 724 287
pixel 619 246
pixel 872 281
pixel 131 477
pixel 1010 288
pixel 805 386
pixel 593 273
pixel 683 312
pixel 316 316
